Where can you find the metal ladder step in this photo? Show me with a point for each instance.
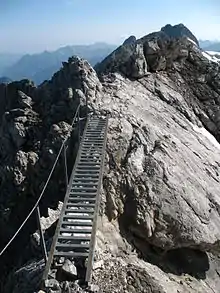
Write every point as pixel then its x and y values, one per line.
pixel 83 191
pixel 83 237
pixel 76 223
pixel 81 217
pixel 81 199
pixel 79 205
pixel 87 178
pixel 84 184
pixel 71 254
pixel 74 230
pixel 71 245
pixel 87 173
pixel 79 211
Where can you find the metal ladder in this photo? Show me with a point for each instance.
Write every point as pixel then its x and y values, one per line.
pixel 74 238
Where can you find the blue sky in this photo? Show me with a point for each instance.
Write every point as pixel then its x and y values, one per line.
pixel 36 25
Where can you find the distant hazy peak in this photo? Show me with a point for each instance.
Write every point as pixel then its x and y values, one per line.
pixel 5 79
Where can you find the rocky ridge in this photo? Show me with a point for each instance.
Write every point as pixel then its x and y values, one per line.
pixel 159 219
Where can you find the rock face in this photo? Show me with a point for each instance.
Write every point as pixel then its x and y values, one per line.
pixel 158 228
pixel 162 180
pixel 33 124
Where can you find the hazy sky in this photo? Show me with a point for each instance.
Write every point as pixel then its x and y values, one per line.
pixel 36 25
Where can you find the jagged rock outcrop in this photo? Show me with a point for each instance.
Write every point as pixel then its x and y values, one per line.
pixel 33 124
pixel 160 211
pixel 179 30
pixel 130 40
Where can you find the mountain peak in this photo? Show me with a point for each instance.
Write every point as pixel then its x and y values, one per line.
pixel 179 30
pixel 130 40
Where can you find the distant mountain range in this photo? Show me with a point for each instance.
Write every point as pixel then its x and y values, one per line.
pixel 8 59
pixel 40 67
pixel 210 45
pixel 5 79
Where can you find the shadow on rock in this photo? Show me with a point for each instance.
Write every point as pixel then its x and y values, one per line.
pixel 186 260
pixel 177 261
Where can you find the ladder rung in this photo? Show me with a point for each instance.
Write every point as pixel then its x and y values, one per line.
pixel 79 205
pixel 82 194
pixel 71 254
pixel 93 163
pixel 71 245
pixel 92 148
pixel 90 141
pixel 96 131
pixel 98 145
pixel 88 171
pixel 76 223
pixel 96 125
pixel 92 151
pixel 100 129
pixel 92 145
pixel 74 230
pixel 84 184
pixel 90 160
pixel 85 180
pixel 90 157
pixel 84 174
pixel 84 153
pixel 87 190
pixel 81 199
pixel 83 188
pixel 84 237
pixel 98 137
pixel 88 167
pixel 86 163
pixel 97 122
pixel 81 217
pixel 79 230
pixel 84 211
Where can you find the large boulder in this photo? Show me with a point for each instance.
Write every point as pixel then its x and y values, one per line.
pixel 128 59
